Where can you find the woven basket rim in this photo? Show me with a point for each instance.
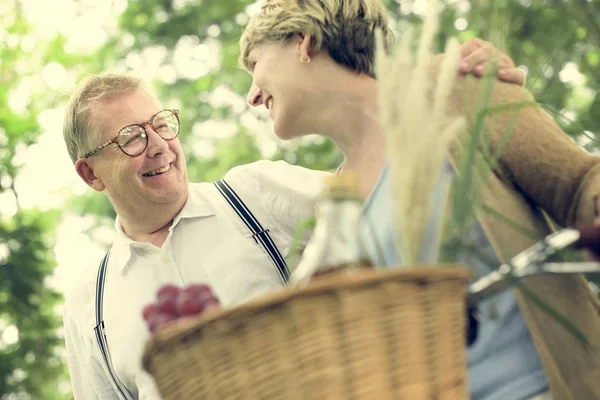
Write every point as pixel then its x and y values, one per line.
pixel 362 277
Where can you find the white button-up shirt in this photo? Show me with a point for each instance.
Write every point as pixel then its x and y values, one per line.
pixel 207 243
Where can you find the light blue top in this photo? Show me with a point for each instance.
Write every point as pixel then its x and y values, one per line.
pixel 503 362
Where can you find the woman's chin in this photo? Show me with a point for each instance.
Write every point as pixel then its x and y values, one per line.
pixel 284 134
pixel 285 137
pixel 287 133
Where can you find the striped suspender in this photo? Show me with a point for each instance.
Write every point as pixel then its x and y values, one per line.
pixel 100 332
pixel 260 235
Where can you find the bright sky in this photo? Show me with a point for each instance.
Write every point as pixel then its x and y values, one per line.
pixel 48 177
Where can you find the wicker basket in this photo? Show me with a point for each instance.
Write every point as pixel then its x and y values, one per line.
pixel 373 334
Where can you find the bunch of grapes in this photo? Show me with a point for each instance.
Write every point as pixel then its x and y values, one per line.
pixel 173 303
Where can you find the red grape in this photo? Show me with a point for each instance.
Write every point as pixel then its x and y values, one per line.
pixel 199 290
pixel 189 305
pixel 194 299
pixel 159 320
pixel 173 302
pixel 168 305
pixel 167 291
pixel 167 299
pixel 149 310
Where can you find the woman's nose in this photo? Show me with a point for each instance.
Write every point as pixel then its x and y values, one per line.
pixel 254 96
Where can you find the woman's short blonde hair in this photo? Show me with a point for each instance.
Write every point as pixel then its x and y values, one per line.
pixel 79 132
pixel 345 28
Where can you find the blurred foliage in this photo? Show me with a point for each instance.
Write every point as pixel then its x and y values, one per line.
pixel 31 365
pixel 557 40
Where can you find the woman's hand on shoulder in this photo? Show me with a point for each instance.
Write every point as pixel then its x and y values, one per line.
pixel 479 55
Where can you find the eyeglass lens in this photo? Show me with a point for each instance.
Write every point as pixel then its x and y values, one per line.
pixel 133 139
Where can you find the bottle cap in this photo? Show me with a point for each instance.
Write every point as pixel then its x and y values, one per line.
pixel 341 186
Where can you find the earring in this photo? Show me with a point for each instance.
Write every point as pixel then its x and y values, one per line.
pixel 305 59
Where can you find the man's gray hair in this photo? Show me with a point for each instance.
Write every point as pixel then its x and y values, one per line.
pixel 79 132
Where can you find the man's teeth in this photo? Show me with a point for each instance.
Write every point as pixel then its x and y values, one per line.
pixel 158 171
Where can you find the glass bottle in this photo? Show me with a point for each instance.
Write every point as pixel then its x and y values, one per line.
pixel 335 244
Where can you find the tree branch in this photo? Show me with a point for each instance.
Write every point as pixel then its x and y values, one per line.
pixel 587 11
pixel 12 189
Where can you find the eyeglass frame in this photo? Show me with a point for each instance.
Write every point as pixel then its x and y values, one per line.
pixel 143 126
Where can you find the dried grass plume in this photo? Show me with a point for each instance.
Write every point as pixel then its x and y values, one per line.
pixel 418 130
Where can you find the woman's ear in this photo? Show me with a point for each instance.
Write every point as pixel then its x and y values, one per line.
pixel 304 46
pixel 86 172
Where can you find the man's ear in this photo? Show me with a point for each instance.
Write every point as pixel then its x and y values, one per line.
pixel 304 45
pixel 86 172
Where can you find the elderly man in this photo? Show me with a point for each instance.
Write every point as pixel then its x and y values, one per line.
pixel 168 231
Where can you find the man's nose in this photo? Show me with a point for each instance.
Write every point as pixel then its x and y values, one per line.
pixel 255 96
pixel 156 144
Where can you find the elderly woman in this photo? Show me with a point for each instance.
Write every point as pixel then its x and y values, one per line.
pixel 312 64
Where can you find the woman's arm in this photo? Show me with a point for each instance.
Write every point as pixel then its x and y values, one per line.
pixel 538 157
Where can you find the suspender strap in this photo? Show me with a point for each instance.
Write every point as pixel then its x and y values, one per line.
pixel 100 332
pixel 260 235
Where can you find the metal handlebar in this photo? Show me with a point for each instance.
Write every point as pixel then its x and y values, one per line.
pixel 532 262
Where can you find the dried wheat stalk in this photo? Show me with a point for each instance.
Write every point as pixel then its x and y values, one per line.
pixel 418 131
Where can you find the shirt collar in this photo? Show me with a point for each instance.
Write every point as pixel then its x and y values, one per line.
pixel 121 250
pixel 196 206
pixel 380 181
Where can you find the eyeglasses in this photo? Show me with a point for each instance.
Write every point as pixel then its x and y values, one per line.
pixel 133 139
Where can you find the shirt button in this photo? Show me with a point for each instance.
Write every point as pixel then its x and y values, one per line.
pixel 164 259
